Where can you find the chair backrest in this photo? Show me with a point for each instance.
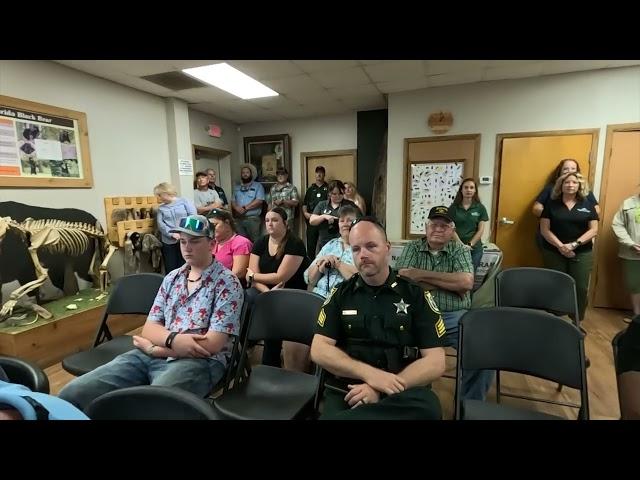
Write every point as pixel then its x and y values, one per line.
pixel 150 403
pixel 285 314
pixel 25 373
pixel 236 363
pixel 132 294
pixel 539 288
pixel 523 341
pixel 485 295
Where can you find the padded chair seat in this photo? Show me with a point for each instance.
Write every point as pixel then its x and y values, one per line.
pixel 83 362
pixel 479 410
pixel 25 372
pixel 270 393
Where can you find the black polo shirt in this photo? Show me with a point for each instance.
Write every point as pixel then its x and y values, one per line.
pixel 315 195
pixel 569 225
pixel 398 312
pixel 221 194
pixel 329 231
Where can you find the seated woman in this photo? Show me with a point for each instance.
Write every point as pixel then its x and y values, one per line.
pixel 351 193
pixel 334 263
pixel 569 223
pixel 231 249
pixel 278 260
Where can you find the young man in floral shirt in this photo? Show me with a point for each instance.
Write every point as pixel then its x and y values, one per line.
pixel 186 340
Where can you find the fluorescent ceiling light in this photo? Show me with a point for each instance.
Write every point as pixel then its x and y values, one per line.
pixel 227 78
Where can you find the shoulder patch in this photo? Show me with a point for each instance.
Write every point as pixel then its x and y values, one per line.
pixel 321 317
pixel 328 299
pixel 440 328
pixel 431 302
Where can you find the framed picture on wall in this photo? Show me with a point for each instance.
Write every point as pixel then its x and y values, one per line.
pixel 268 153
pixel 43 146
pixel 431 183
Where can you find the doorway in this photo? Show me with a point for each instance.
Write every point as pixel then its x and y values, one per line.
pixel 620 179
pixel 219 160
pixel 523 163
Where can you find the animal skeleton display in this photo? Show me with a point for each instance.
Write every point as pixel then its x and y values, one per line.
pixel 57 237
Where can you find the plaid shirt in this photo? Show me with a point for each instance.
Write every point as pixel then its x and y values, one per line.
pixel 454 257
pixel 284 192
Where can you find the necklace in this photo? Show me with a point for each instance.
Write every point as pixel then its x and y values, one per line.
pixel 195 280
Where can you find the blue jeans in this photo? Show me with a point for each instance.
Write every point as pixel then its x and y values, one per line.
pixel 476 255
pixel 135 367
pixel 475 383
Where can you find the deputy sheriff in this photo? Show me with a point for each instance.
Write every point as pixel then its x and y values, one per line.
pixel 380 338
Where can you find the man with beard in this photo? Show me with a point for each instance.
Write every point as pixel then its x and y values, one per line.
pixel 381 339
pixel 248 198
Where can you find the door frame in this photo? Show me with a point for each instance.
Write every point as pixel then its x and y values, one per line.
pixel 213 151
pixel 305 155
pixel 593 155
pixel 405 172
pixel 608 148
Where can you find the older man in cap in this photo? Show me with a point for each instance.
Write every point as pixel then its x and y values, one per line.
pixel 443 266
pixel 186 340
pixel 285 195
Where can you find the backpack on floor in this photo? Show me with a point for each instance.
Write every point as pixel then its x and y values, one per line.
pixel 37 406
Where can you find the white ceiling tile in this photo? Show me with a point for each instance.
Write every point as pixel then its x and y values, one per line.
pixel 435 67
pixel 310 66
pixel 204 94
pixel 298 83
pixel 455 78
pixel 371 62
pixel 622 63
pixel 396 70
pixel 347 92
pixel 507 72
pixel 509 63
pixel 266 69
pixel 403 85
pixel 310 96
pixel 550 67
pixel 341 78
pixel 365 102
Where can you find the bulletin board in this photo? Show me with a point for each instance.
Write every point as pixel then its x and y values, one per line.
pixel 430 183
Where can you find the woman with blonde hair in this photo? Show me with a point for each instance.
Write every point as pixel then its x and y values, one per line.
pixel 351 193
pixel 172 209
pixel 568 223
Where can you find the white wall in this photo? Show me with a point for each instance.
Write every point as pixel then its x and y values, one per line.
pixel 336 132
pixel 561 102
pixel 127 133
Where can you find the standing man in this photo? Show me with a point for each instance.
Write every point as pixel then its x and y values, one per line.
pixel 211 173
pixel 248 198
pixel 443 266
pixel 285 195
pixel 381 338
pixel 204 198
pixel 186 340
pixel 316 193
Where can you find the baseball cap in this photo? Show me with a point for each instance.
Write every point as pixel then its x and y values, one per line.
pixel 440 211
pixel 194 225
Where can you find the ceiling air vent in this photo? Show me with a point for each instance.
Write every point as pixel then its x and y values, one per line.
pixel 174 81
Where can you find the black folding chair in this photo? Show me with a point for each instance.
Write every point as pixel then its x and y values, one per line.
pixel 270 392
pixel 523 341
pixel 25 373
pixel 132 294
pixel 150 402
pixel 537 288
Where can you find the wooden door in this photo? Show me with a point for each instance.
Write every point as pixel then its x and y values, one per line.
pixel 621 176
pixel 523 167
pixel 338 167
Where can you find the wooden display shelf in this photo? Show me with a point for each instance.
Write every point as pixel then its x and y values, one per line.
pixel 47 342
pixel 135 203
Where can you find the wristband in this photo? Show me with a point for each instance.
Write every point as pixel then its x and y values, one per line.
pixel 169 341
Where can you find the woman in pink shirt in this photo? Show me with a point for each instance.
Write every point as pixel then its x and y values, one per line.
pixel 231 249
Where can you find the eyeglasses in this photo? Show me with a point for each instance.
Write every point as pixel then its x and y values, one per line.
pixel 193 224
pixel 367 218
pixel 440 226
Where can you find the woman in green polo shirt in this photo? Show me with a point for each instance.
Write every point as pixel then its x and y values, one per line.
pixel 470 217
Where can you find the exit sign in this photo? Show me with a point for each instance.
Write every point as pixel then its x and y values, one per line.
pixel 215 131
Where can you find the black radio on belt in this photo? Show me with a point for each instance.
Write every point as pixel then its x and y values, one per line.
pixel 410 353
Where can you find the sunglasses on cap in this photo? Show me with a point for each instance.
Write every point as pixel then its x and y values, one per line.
pixel 193 224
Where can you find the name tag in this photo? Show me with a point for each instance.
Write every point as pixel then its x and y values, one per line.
pixel 349 312
pixel 475 214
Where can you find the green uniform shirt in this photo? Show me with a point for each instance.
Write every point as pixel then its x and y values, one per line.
pixel 467 220
pixel 454 257
pixel 374 324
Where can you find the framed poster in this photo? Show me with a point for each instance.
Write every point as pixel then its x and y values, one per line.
pixel 43 146
pixel 268 153
pixel 431 184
